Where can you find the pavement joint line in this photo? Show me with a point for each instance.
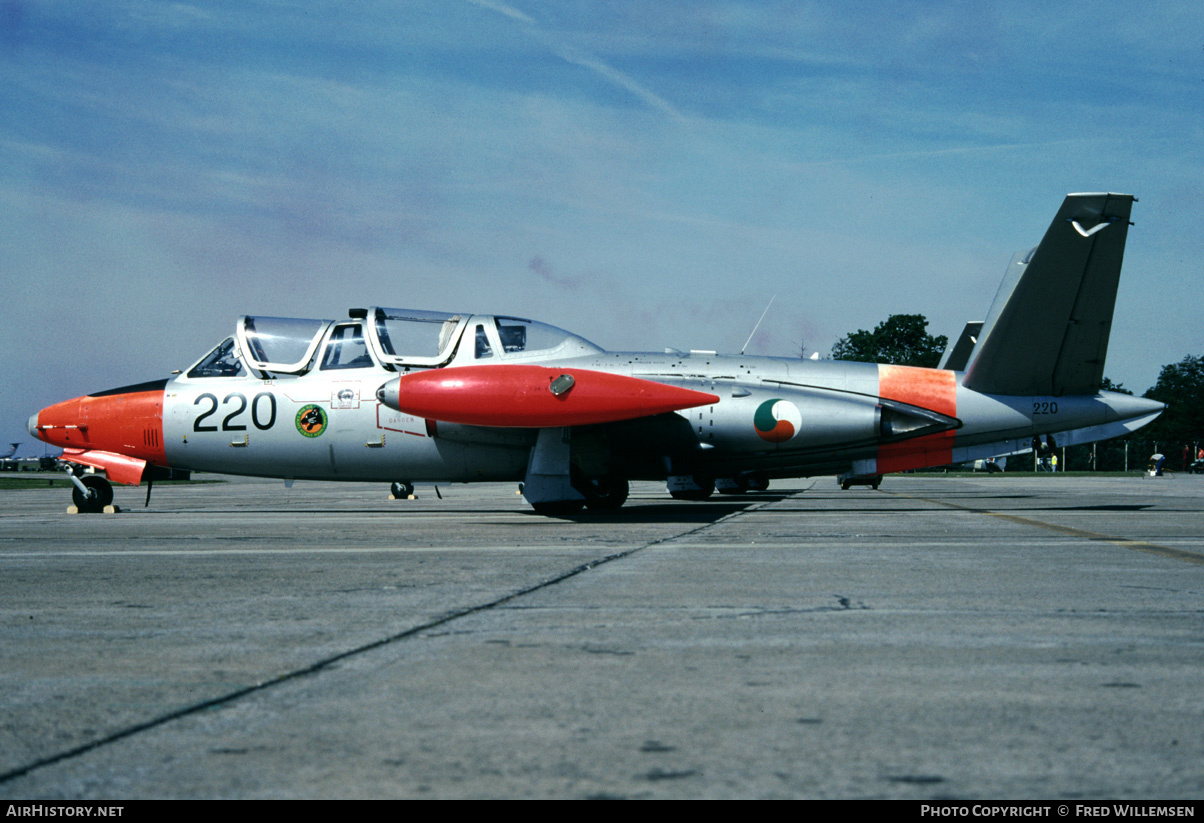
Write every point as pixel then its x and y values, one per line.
pixel 326 663
pixel 1070 531
pixel 279 550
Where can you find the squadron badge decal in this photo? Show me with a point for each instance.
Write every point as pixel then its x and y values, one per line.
pixel 311 420
pixel 777 420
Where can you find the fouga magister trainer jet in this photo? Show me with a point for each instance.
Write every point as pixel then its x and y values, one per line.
pixel 407 396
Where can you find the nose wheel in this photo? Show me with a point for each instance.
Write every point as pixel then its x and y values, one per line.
pixel 91 493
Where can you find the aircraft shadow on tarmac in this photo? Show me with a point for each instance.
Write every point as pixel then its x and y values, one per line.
pixel 1133 507
pixel 668 512
pixel 652 511
pixel 673 511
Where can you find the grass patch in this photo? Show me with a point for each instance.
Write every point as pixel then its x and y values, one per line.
pixel 35 482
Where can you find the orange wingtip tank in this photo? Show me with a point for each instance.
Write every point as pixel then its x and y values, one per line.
pixel 533 396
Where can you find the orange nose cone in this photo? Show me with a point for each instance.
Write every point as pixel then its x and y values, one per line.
pixel 63 424
pixel 125 421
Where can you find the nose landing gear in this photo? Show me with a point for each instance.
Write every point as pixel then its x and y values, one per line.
pixel 92 492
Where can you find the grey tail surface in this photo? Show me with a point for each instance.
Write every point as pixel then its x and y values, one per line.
pixel 957 354
pixel 1047 331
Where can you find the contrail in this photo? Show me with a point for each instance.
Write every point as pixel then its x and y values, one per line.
pixel 586 60
pixel 580 58
pixel 502 8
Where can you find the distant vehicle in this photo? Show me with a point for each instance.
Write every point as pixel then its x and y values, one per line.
pixel 990 465
pixel 848 481
pixel 404 395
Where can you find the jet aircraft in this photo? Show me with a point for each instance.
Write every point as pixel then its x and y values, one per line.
pixel 7 463
pixel 405 396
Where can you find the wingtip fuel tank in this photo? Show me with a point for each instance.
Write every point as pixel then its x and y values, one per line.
pixel 522 396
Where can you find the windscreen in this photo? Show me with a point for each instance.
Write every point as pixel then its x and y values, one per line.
pixel 221 362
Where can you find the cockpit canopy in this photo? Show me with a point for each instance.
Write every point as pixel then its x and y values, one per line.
pixel 397 339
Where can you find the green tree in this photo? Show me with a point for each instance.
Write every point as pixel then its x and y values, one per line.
pixel 1181 386
pixel 902 339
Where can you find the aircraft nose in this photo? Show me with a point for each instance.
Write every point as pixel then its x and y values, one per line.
pixel 31 426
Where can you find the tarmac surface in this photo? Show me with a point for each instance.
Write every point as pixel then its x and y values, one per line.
pixel 1019 637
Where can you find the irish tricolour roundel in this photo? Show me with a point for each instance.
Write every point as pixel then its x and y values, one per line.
pixel 777 420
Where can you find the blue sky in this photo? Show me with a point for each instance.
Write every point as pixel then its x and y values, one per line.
pixel 645 174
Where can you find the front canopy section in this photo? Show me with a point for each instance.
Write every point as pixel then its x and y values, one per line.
pixel 283 345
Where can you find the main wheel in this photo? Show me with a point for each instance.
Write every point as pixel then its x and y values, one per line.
pixel 734 485
pixel 608 494
pixel 706 487
pixel 100 494
pixel 401 489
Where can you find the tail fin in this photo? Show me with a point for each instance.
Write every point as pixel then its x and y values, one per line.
pixel 1047 331
pixel 957 354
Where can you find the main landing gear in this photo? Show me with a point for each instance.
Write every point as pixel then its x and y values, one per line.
pixel 607 494
pixel 697 487
pixel 741 484
pixel 686 487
